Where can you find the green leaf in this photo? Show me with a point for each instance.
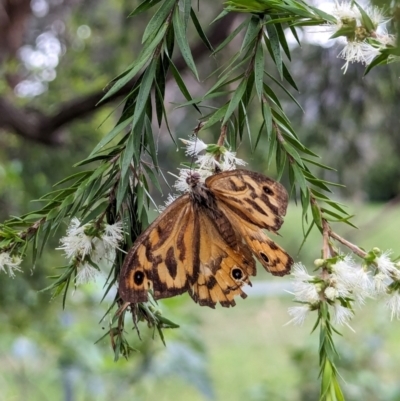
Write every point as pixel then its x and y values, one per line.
pixel 121 190
pixel 216 116
pixel 253 28
pixel 81 174
pixel 267 115
pixel 234 102
pixel 144 92
pixel 318 164
pixel 181 39
pixel 299 177
pixel 285 90
pixel 144 6
pixel 231 37
pixel 149 140
pixel 378 60
pixel 181 85
pixel 282 39
pixel 200 31
pixel 274 47
pixel 111 135
pixel 259 70
pixel 158 19
pixel 134 68
pixel 367 23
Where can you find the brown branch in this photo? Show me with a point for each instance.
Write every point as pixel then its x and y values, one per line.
pixel 45 129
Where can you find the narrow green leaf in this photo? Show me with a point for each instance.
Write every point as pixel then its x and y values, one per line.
pixel 149 138
pixel 81 174
pixel 236 98
pixel 253 28
pixel 144 6
pixel 187 7
pixel 111 135
pixel 274 47
pixel 200 31
pixel 144 92
pixel 292 152
pixel 318 164
pixel 299 177
pixel 259 70
pixel 142 59
pixel 122 189
pixel 367 23
pixel 282 39
pixel 267 115
pixel 181 85
pixel 215 117
pixel 152 176
pixel 158 19
pixel 181 39
pixel 231 36
pixel 286 91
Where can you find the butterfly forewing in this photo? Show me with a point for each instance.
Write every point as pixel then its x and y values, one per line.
pixel 252 196
pixel 163 256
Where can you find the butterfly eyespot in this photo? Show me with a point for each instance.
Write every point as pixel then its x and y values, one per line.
pixel 237 274
pixel 264 257
pixel 138 278
pixel 268 190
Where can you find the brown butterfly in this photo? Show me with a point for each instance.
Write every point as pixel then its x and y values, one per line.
pixel 204 241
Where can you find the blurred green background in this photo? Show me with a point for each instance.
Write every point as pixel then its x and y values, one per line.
pixel 56 54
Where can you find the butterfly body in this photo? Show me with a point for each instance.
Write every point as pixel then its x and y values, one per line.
pixel 204 242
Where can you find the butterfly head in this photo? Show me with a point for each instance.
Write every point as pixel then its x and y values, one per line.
pixel 193 178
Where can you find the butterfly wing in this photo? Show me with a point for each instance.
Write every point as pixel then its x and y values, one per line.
pixel 164 258
pixel 252 201
pixel 224 269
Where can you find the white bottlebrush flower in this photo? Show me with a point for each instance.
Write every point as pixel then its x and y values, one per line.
pixel 300 273
pixel 385 264
pixel 298 314
pixel 363 287
pixel 353 52
pixel 393 304
pixel 170 199
pixel 345 11
pixel 304 291
pixel 376 15
pixel 113 235
pixel 230 161
pixel 331 293
pixel 207 162
pixel 9 264
pixel 380 283
pixel 351 280
pixel 341 314
pixel 76 242
pixel 102 245
pixel 86 274
pixel 181 183
pixel 194 147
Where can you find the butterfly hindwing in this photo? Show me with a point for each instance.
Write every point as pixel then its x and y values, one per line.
pixel 224 267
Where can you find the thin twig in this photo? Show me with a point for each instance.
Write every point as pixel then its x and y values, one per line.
pixel 354 248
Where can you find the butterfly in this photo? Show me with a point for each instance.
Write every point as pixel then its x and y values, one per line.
pixel 203 243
